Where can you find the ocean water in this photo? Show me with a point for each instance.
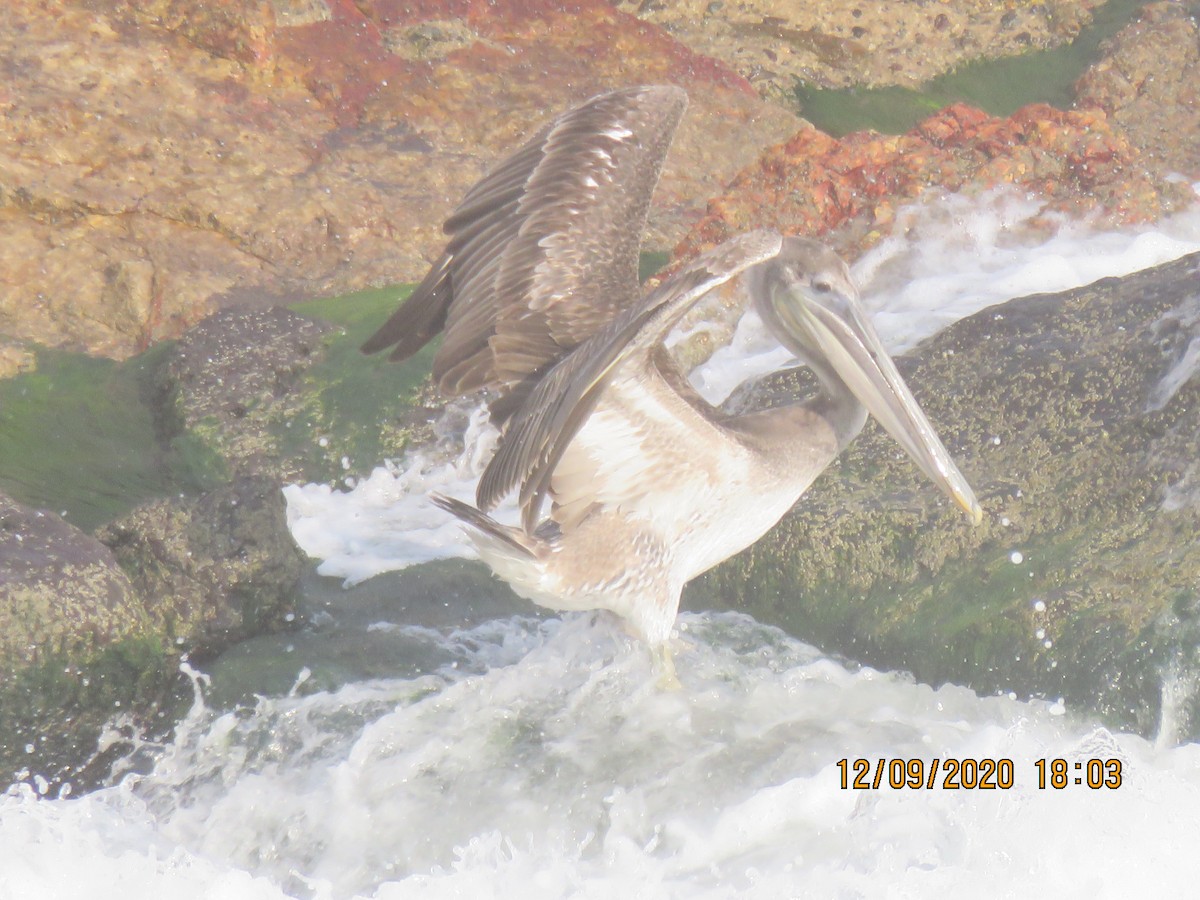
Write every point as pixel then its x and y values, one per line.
pixel 540 760
pixel 537 757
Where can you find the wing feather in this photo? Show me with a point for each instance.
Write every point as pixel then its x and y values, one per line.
pixel 639 444
pixel 421 317
pixel 543 252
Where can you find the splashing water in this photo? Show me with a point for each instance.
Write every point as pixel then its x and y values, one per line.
pixel 948 259
pixel 540 760
pixel 385 522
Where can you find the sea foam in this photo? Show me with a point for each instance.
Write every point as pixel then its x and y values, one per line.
pixel 540 760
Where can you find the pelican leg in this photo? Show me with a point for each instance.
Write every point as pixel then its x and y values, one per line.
pixel 664 662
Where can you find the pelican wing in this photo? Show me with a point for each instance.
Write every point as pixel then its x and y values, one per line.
pixel 541 429
pixel 543 252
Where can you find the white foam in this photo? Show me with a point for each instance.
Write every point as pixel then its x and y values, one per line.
pixel 950 258
pixel 548 764
pixel 385 521
pixel 984 253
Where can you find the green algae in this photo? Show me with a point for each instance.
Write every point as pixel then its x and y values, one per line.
pixel 52 713
pixel 78 436
pixel 998 86
pixel 361 404
pixel 87 437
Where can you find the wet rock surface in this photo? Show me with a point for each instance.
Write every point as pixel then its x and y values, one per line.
pixel 1075 417
pixel 201 155
pixel 212 569
pixel 237 374
pixel 62 591
pixel 1148 80
pixel 74 643
pixel 844 43
pixel 92 627
pixel 288 396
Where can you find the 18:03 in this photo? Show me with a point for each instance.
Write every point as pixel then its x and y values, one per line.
pixel 1095 773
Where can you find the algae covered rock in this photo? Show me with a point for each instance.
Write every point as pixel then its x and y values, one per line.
pixel 234 378
pixel 61 590
pixel 1076 417
pixel 92 628
pixel 213 568
pixel 76 645
pixel 276 393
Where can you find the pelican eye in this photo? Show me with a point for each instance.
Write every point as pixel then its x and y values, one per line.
pixel 822 287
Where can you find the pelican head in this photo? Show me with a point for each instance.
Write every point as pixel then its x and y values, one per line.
pixel 806 297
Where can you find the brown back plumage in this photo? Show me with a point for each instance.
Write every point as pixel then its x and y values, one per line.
pixel 543 252
pixel 544 425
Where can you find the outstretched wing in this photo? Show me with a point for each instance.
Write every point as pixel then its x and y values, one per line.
pixel 543 251
pixel 541 429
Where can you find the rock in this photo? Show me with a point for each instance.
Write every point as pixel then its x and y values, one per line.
pixel 1148 81
pixel 293 13
pixel 442 70
pixel 237 30
pixel 91 628
pixel 213 569
pixel 235 378
pixel 1074 416
pixel 848 189
pixel 847 43
pixel 275 393
pixel 162 160
pixel 62 592
pixel 76 646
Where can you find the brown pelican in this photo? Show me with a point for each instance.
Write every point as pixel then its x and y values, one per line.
pixel 538 295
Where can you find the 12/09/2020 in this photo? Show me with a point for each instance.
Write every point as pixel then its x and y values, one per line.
pixel 974 774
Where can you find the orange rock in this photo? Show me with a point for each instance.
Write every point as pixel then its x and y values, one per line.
pixel 159 159
pixel 813 184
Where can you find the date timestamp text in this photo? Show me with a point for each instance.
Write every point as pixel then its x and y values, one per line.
pixel 972 774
